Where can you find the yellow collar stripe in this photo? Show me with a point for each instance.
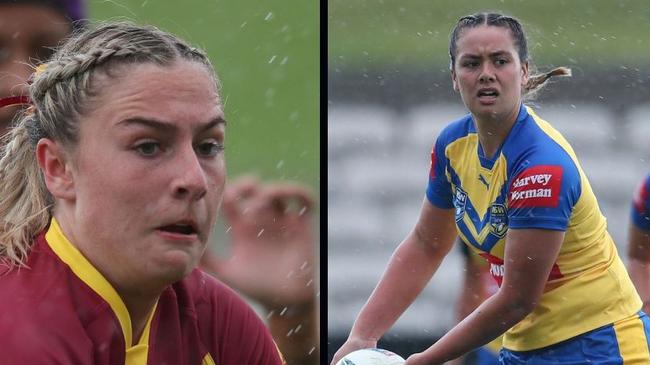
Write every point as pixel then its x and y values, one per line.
pixel 85 271
pixel 137 354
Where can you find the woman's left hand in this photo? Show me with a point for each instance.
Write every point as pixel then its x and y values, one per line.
pixel 418 359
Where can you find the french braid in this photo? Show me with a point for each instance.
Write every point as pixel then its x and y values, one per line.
pixel 59 91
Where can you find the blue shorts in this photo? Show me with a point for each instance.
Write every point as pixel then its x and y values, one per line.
pixel 625 341
pixel 482 356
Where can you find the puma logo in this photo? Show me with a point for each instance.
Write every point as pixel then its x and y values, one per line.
pixel 482 179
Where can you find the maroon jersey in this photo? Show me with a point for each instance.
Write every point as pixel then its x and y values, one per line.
pixel 61 310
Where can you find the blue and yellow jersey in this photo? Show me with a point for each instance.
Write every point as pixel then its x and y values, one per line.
pixel 641 205
pixel 534 181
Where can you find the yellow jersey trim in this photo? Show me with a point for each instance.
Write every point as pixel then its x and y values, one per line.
pixel 138 353
pixel 86 272
pixel 207 360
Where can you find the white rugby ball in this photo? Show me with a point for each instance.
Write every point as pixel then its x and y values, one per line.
pixel 371 357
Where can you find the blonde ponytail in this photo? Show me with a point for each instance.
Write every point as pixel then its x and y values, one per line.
pixel 24 199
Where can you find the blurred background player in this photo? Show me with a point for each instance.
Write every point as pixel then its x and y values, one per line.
pixel 30 30
pixel 639 242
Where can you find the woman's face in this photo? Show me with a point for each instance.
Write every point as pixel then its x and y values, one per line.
pixel 147 173
pixel 488 72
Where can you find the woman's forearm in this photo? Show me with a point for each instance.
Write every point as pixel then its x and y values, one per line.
pixel 409 270
pixel 491 319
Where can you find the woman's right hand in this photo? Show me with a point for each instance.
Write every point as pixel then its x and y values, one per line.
pixel 352 344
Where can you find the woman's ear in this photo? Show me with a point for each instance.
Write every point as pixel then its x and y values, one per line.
pixel 524 75
pixel 56 166
pixel 454 81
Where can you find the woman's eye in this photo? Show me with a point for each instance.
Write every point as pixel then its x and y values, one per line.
pixel 148 148
pixel 209 149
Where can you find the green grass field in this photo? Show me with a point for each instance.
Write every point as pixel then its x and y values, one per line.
pixel 576 33
pixel 267 56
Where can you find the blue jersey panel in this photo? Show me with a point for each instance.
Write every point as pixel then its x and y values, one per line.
pixel 544 181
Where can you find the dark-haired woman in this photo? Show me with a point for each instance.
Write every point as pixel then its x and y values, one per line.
pixel 511 186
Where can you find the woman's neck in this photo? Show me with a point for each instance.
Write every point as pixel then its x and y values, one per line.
pixel 493 131
pixel 139 306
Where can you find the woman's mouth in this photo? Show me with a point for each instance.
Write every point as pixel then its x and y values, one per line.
pixel 487 96
pixel 179 230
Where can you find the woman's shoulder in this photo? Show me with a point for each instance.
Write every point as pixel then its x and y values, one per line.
pixel 225 316
pixel 535 141
pixel 206 293
pixel 457 128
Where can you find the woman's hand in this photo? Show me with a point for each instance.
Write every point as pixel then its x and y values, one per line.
pixel 352 344
pixel 419 359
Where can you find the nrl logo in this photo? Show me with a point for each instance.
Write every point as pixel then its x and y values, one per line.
pixel 498 220
pixel 460 200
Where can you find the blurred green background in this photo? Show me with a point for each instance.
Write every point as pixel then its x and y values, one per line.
pixel 267 57
pixel 375 33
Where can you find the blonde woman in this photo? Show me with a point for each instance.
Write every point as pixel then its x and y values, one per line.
pixel 110 184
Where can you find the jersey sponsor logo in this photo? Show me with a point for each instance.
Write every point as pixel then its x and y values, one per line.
pixel 460 201
pixel 537 186
pixel 497 268
pixel 498 220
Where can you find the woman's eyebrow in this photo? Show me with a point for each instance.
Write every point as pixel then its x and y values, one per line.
pixel 165 126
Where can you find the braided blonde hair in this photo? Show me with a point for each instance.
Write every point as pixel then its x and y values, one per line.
pixel 60 92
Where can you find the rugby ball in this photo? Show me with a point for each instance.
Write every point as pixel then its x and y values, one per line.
pixel 371 357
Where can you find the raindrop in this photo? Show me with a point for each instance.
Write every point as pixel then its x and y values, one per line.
pixel 284 310
pixel 269 16
pixel 272 59
pixel 243 24
pixel 260 233
pixel 284 60
pixel 279 164
pixel 303 266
